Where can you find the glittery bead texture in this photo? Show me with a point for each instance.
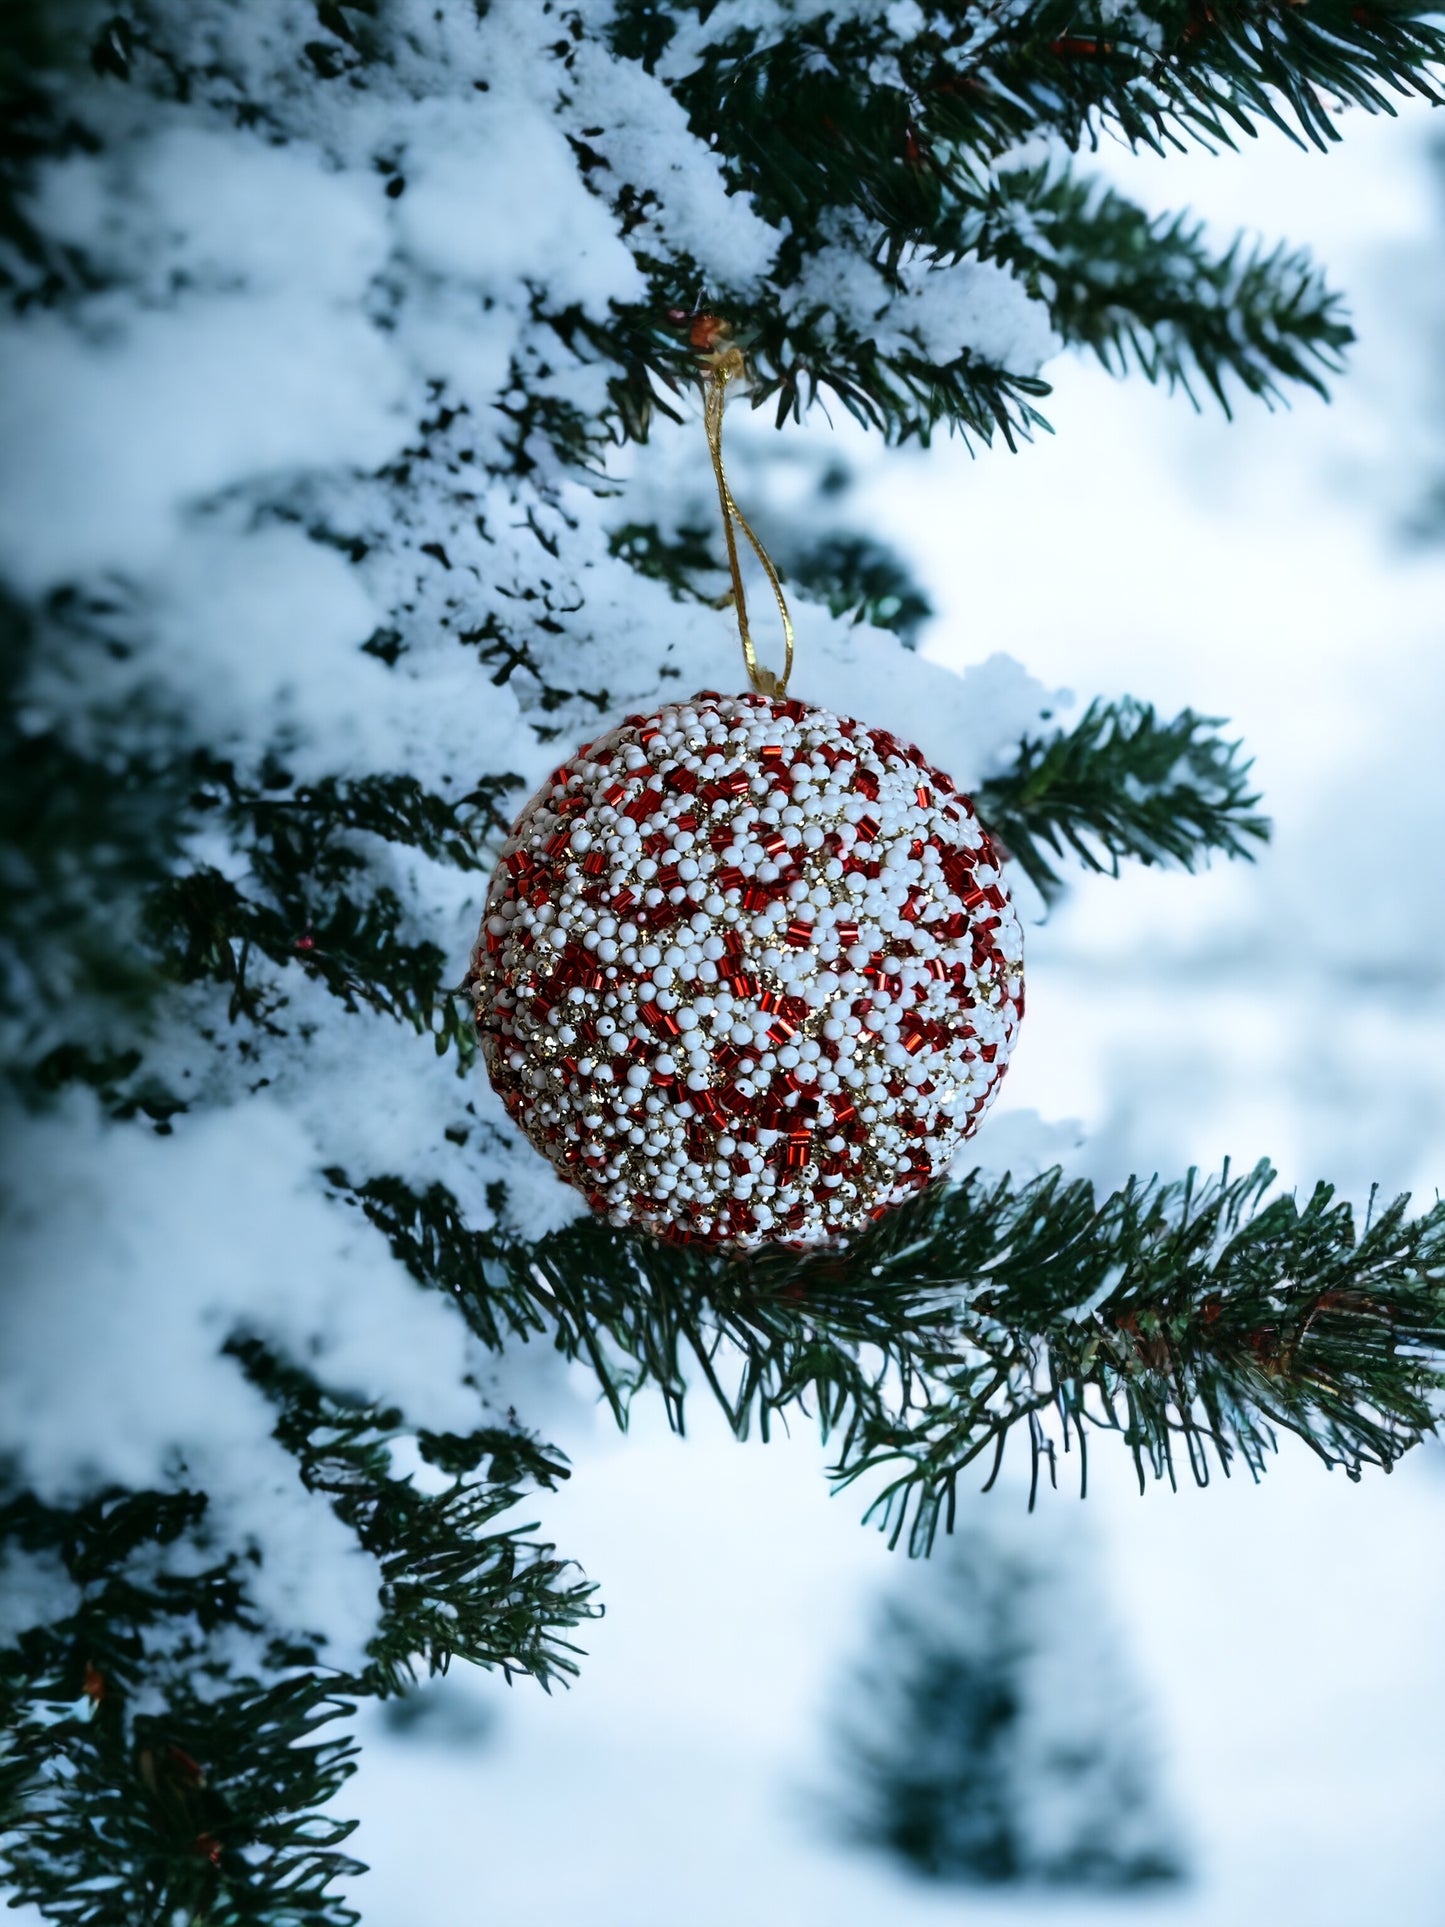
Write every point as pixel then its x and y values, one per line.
pixel 748 973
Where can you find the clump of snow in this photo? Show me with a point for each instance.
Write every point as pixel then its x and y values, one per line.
pixel 206 208
pixel 34 1589
pixel 493 198
pixel 109 438
pixel 760 19
pixel 935 312
pixel 641 132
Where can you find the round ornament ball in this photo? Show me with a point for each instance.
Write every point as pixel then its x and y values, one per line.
pixel 748 973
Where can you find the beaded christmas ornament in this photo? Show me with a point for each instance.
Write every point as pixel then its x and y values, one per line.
pixel 748 972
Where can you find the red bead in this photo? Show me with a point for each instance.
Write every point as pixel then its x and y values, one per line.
pixel 645 805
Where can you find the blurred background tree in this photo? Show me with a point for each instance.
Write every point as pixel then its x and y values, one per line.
pixel 991 1733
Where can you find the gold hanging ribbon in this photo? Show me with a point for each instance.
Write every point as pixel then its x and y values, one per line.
pixel 725 366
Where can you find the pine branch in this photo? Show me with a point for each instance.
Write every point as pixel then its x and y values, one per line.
pixel 450 1587
pixel 81 835
pixel 1196 1320
pixel 1122 783
pixel 799 360
pixel 1221 70
pixel 124 1824
pixel 859 577
pixel 314 901
pixel 205 927
pixel 836 115
pixel 1145 290
pixel 208 1808
pixel 838 112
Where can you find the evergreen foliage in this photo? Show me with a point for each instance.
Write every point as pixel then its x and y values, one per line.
pixel 1121 783
pixel 1196 1320
pixel 83 834
pixel 160 1757
pixel 184 909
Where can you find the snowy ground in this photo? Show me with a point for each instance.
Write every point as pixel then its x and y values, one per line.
pixel 1289 1634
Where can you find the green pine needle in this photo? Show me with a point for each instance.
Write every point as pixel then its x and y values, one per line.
pixel 1122 783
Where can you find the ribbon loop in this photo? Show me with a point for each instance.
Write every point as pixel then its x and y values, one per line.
pixel 725 366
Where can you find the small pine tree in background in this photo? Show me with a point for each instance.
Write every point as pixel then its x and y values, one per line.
pixel 992 1734
pixel 333 332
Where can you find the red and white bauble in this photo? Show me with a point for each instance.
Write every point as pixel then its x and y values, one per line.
pixel 748 972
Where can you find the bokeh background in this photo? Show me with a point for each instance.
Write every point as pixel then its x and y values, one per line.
pixel 1282 1642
